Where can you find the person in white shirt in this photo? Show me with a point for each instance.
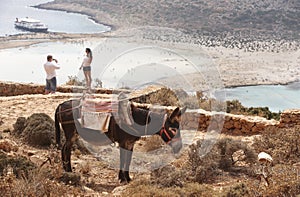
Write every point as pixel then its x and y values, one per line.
pixel 86 65
pixel 50 66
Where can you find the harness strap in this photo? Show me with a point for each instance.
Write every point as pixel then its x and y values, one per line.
pixel 66 110
pixel 147 119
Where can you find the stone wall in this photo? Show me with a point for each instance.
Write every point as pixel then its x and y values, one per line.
pixel 14 89
pixel 231 124
pixel 236 124
pixel 225 123
pixel 192 119
pixel 290 118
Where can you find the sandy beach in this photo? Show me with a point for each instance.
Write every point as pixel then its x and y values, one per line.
pixel 236 67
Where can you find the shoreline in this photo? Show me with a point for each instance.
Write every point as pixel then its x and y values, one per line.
pixel 225 87
pixel 94 19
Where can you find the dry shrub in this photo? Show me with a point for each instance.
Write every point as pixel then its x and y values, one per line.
pixel 205 169
pixel 71 178
pixel 85 168
pixel 164 97
pixel 36 184
pixel 39 130
pixel 20 177
pixel 8 146
pixel 152 143
pixel 168 176
pixel 190 101
pixel 282 144
pixel 238 190
pixel 74 80
pixel 283 175
pixel 284 181
pixel 80 148
pixel 20 166
pixel 228 147
pixel 19 126
pixel 144 187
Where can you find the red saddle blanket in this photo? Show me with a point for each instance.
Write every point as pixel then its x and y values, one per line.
pixel 96 113
pixel 98 105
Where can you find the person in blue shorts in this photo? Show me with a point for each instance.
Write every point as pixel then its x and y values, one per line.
pixel 50 66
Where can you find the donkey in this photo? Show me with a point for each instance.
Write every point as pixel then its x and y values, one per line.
pixel 145 122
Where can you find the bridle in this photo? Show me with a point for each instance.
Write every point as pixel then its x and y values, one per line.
pixel 170 136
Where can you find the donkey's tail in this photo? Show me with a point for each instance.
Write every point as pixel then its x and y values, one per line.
pixel 57 126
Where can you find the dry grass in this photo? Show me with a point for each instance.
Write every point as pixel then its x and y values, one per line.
pixel 231 164
pixel 20 177
pixel 146 188
pixel 283 144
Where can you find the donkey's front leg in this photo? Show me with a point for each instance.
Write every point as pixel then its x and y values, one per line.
pixel 125 160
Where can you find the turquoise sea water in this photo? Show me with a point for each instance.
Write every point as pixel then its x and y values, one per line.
pixel 276 97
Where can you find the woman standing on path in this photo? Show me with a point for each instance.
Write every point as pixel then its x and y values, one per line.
pixel 86 65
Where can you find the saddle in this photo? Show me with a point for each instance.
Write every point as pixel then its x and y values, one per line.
pixel 96 113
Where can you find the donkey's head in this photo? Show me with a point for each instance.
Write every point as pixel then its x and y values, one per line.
pixel 170 132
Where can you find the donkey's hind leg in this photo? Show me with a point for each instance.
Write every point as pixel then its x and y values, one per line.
pixel 66 157
pixel 66 150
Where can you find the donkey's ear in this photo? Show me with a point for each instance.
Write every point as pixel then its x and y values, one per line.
pixel 182 111
pixel 175 113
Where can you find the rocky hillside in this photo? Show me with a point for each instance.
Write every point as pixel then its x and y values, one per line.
pixel 254 19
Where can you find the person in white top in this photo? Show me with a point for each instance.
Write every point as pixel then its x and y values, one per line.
pixel 86 65
pixel 50 66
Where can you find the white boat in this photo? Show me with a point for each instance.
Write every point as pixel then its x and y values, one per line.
pixel 30 24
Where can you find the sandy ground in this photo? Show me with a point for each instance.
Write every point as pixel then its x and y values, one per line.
pixel 25 105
